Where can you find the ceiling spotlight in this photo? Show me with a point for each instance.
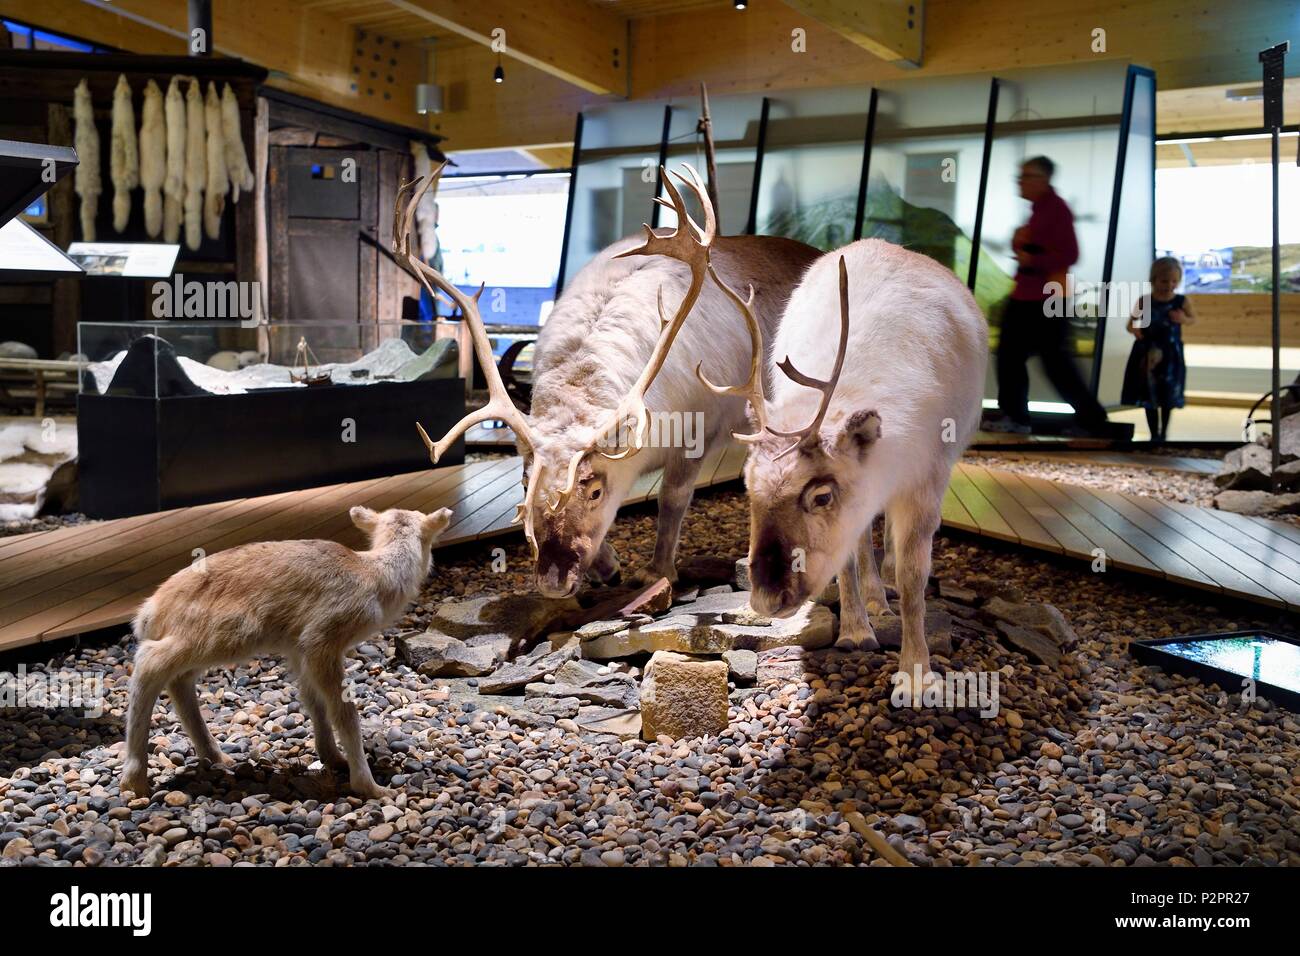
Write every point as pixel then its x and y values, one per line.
pixel 740 4
pixel 499 75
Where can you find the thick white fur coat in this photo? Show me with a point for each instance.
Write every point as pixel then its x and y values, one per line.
pixel 917 355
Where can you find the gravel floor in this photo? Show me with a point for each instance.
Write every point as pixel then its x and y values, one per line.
pixel 1188 488
pixel 1100 762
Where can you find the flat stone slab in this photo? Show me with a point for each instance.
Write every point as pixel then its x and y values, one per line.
pixel 1031 643
pixel 1044 618
pixel 439 655
pixel 527 670
pixel 518 617
pixel 705 626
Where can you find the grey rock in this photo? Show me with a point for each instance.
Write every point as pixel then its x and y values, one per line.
pixel 1033 644
pixel 520 617
pixel 742 667
pixel 438 655
pixel 1246 468
pixel 742 580
pixel 620 691
pixel 1259 503
pixel 1044 618
pixel 522 672
pixel 938 630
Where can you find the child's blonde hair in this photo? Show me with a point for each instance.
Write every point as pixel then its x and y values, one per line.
pixel 1163 263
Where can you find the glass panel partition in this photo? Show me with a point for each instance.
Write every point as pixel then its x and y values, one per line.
pixel 735 141
pixel 1072 116
pixel 926 156
pixel 614 182
pixel 1134 239
pixel 811 165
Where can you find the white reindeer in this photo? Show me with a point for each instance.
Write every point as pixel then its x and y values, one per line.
pixel 871 426
pixel 602 360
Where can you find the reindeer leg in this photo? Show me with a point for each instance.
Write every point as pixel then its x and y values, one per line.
pixel 872 587
pixel 605 567
pixel 914 520
pixel 856 632
pixel 675 496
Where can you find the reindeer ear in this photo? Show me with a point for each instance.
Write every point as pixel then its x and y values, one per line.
pixel 858 432
pixel 438 521
pixel 364 518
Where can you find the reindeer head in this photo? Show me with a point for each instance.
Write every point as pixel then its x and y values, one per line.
pixel 571 489
pixel 805 519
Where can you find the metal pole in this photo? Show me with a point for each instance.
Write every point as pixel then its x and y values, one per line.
pixel 1273 60
pixel 705 126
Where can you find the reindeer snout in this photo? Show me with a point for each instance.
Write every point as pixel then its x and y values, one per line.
pixel 778 589
pixel 559 567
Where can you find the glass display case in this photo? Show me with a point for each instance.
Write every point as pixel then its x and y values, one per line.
pixel 181 413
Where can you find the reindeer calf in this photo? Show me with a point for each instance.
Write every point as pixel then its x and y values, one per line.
pixel 310 601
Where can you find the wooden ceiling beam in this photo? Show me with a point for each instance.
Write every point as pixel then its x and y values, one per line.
pixel 889 29
pixel 574 40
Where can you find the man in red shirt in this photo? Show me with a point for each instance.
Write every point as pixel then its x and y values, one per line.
pixel 1045 248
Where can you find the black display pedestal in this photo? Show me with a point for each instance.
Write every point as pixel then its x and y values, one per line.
pixel 140 455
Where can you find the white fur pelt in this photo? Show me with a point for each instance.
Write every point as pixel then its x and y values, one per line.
pixel 237 168
pixel 89 184
pixel 196 165
pixel 214 202
pixel 917 354
pixel 174 182
pixel 124 157
pixel 153 158
pixel 426 214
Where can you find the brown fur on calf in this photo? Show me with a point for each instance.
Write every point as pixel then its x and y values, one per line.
pixel 309 601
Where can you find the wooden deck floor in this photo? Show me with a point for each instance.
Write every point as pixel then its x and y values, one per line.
pixel 73 580
pixel 69 581
pixel 1218 551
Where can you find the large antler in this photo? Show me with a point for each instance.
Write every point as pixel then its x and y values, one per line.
pixel 688 243
pixel 752 388
pixel 499 404
pixel 807 435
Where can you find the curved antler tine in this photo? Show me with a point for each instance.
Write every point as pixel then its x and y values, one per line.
pixel 500 405
pixel 808 434
pixel 707 234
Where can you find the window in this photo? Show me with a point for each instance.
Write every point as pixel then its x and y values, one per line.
pixel 1214 206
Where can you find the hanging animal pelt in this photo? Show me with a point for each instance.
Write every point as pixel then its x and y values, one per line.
pixel 196 165
pixel 88 182
pixel 426 213
pixel 153 158
pixel 174 183
pixel 241 176
pixel 214 203
pixel 124 158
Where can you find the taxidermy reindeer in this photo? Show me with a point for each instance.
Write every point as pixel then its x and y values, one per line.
pixel 828 454
pixel 310 601
pixel 602 360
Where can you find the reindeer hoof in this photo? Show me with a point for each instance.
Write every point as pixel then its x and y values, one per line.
pixel 852 639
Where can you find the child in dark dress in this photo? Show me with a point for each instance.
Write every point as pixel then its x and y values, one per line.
pixel 1156 373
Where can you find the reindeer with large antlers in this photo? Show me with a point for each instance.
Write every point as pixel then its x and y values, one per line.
pixel 605 359
pixel 876 397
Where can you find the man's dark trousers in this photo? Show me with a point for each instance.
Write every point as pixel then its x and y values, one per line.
pixel 1026 331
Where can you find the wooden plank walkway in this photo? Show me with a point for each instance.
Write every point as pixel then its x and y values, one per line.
pixel 1115 459
pixel 1242 557
pixel 68 581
